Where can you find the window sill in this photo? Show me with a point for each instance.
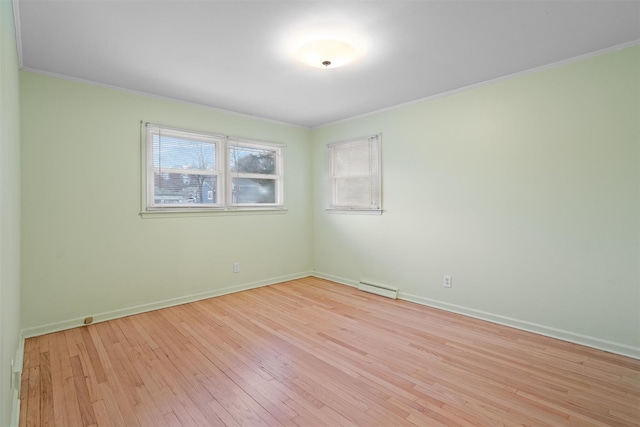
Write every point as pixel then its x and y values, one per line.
pixel 355 211
pixel 184 213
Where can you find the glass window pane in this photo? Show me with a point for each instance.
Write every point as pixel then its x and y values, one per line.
pixel 177 188
pixel 186 169
pixel 252 191
pixel 180 153
pixel 252 160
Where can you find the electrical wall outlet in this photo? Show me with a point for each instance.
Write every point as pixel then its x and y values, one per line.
pixel 236 267
pixel 446 282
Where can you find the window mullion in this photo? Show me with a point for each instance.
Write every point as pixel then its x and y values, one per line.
pixel 187 169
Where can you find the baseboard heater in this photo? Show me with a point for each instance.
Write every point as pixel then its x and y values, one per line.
pixel 382 290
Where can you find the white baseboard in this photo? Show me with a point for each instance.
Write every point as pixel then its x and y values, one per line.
pixel 17 376
pixel 586 340
pixel 142 308
pixel 337 279
pixel 589 341
pixel 15 410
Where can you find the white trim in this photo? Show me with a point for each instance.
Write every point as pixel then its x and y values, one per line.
pixel 151 130
pixel 360 138
pixel 15 411
pixel 151 95
pixel 17 373
pixel 548 331
pixel 250 142
pixel 35 331
pixel 561 334
pixel 188 212
pixel 354 211
pixel 143 166
pixel 185 171
pixel 346 119
pixel 278 178
pixel 222 170
pixel 186 133
pixel 337 279
pixel 485 83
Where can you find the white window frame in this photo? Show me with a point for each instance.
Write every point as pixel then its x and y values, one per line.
pixel 277 177
pixel 160 131
pixel 374 143
pixel 222 172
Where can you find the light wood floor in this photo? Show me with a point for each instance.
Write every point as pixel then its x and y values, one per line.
pixel 311 352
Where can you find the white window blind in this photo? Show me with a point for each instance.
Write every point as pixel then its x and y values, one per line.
pixel 355 175
pixel 189 171
pixel 183 168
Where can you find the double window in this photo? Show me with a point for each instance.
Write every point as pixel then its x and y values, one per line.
pixel 198 171
pixel 355 172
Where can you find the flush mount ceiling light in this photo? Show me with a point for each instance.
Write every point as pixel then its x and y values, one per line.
pixel 326 53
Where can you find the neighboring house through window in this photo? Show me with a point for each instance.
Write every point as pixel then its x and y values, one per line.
pixel 198 171
pixel 253 172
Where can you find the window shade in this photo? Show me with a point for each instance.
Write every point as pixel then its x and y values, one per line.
pixel 355 174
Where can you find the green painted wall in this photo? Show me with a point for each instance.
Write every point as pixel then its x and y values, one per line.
pixel 86 250
pixel 526 191
pixel 9 209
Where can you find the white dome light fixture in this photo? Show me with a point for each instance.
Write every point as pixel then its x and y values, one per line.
pixel 326 53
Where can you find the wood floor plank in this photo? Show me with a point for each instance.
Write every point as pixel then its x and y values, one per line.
pixel 113 408
pixel 46 390
pixel 68 391
pixel 82 392
pixel 57 380
pixel 311 352
pixel 33 403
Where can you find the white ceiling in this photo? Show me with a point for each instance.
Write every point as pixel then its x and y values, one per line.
pixel 238 55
